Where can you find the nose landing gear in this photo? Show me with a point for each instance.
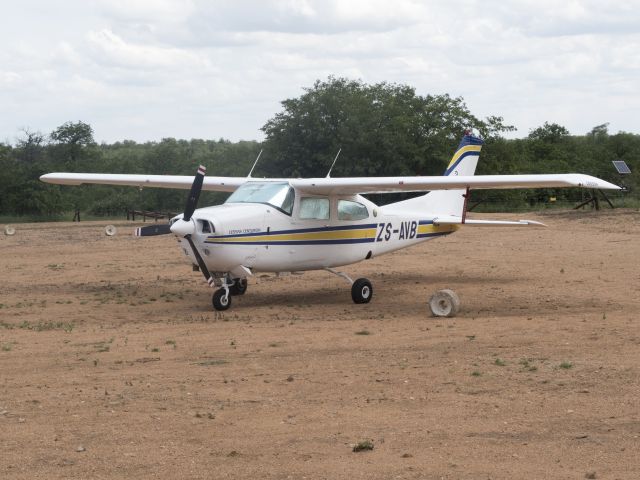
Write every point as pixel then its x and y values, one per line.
pixel 221 299
pixel 239 286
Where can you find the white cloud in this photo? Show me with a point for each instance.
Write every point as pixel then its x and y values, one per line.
pixel 9 79
pixel 144 69
pixel 113 50
pixel 148 11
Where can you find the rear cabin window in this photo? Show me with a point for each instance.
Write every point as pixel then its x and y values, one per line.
pixel 314 208
pixel 348 210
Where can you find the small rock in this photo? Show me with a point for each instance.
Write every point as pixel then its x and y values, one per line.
pixel 81 449
pixel 290 378
pixel 22 420
pixel 407 455
pixel 590 475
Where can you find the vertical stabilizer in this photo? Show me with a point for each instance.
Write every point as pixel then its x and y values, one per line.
pixel 463 163
pixel 448 202
pixel 465 160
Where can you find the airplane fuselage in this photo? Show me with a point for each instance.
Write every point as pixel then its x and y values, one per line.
pixel 263 238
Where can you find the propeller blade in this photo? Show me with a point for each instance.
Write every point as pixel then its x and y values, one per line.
pixel 152 230
pixel 194 194
pixel 201 264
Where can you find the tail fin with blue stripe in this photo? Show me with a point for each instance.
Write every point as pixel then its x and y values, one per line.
pixel 465 160
pixel 463 163
pixel 448 202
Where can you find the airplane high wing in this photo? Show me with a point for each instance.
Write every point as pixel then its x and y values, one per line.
pixel 342 186
pixel 216 184
pixel 354 185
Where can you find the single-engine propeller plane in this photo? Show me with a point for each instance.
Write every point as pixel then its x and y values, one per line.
pixel 287 225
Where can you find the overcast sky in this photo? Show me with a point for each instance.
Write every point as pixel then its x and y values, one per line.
pixel 148 69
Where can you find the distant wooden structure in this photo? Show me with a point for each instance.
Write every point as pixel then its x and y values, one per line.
pixel 131 215
pixel 623 170
pixel 594 201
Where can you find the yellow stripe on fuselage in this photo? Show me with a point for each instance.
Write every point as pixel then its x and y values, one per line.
pixel 426 229
pixel 462 151
pixel 288 237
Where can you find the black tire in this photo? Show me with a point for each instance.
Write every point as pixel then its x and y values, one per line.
pixel 221 301
pixel 361 291
pixel 239 286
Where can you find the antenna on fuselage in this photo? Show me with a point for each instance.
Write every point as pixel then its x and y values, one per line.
pixel 334 162
pixel 254 164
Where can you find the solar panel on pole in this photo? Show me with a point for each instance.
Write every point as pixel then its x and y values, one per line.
pixel 621 167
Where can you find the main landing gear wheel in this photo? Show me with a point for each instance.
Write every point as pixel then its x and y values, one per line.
pixel 221 301
pixel 444 303
pixel 239 286
pixel 361 291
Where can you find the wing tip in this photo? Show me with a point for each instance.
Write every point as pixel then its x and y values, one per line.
pixel 58 179
pixel 589 181
pixel 533 223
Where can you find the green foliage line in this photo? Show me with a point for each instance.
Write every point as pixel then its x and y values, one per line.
pixel 382 129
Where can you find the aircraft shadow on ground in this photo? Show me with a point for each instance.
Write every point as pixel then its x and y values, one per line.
pixel 338 291
pixel 430 279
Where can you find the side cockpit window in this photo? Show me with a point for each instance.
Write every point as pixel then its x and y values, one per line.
pixel 348 210
pixel 287 204
pixel 314 208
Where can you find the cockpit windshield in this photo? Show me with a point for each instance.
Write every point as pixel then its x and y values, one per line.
pixel 277 194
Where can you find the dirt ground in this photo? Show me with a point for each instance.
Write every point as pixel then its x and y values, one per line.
pixel 114 365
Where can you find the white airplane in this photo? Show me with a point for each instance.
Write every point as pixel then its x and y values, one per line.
pixel 287 225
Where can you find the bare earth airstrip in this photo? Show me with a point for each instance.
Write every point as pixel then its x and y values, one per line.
pixel 114 365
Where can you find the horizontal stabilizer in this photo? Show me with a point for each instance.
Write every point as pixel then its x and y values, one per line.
pixel 451 220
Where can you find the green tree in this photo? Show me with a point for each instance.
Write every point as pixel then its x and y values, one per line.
pixel 73 145
pixel 549 132
pixel 599 132
pixel 70 133
pixel 30 145
pixel 382 129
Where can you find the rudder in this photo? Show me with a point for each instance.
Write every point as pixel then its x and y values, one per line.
pixel 448 202
pixel 465 159
pixel 463 163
